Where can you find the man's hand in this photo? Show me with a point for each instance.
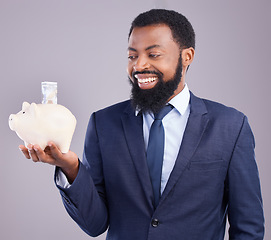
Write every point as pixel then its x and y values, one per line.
pixel 68 162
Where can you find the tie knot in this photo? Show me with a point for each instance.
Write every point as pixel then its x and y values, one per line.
pixel 163 112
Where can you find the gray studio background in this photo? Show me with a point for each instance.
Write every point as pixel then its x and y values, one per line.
pixel 82 45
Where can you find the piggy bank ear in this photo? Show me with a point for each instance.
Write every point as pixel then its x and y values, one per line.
pixel 33 109
pixel 25 106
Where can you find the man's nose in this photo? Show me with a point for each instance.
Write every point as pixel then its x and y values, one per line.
pixel 141 64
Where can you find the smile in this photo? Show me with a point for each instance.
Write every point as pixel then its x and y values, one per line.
pixel 147 80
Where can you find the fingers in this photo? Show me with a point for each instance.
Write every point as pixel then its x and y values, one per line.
pixel 30 152
pixel 40 155
pixel 34 152
pixel 51 155
pixel 24 150
pixel 37 154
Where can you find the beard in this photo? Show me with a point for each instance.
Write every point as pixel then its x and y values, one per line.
pixel 154 99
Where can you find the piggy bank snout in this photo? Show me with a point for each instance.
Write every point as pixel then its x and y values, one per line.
pixel 11 121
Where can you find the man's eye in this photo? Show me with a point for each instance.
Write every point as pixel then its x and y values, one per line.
pixel 131 57
pixel 154 55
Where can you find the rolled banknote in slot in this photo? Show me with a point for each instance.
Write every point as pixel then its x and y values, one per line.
pixel 49 92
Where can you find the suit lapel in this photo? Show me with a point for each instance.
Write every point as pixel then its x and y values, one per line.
pixel 133 130
pixel 196 125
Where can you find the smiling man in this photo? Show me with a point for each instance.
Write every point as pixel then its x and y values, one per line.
pixel 165 164
pixel 156 63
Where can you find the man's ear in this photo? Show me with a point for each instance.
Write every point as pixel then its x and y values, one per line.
pixel 187 56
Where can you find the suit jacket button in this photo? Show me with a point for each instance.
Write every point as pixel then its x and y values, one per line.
pixel 155 222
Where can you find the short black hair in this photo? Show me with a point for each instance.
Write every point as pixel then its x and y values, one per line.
pixel 182 30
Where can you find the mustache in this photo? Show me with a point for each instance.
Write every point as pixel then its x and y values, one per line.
pixel 159 74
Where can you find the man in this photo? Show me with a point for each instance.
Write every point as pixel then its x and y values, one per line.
pixel 208 171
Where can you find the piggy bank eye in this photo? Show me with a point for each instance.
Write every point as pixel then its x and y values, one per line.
pixel 23 112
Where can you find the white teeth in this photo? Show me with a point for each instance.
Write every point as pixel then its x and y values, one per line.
pixel 147 80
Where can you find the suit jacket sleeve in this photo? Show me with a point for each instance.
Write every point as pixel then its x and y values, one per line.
pixel 85 199
pixel 245 212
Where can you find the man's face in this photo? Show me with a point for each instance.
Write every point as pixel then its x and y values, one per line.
pixel 154 66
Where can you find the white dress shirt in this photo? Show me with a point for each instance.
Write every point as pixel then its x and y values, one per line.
pixel 174 125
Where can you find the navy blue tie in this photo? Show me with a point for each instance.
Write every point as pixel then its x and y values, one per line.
pixel 155 151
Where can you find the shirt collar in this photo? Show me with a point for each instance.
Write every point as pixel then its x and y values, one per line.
pixel 180 102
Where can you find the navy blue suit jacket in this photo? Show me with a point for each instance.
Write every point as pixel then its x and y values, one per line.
pixel 215 177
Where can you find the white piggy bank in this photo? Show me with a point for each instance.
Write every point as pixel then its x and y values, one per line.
pixel 41 123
